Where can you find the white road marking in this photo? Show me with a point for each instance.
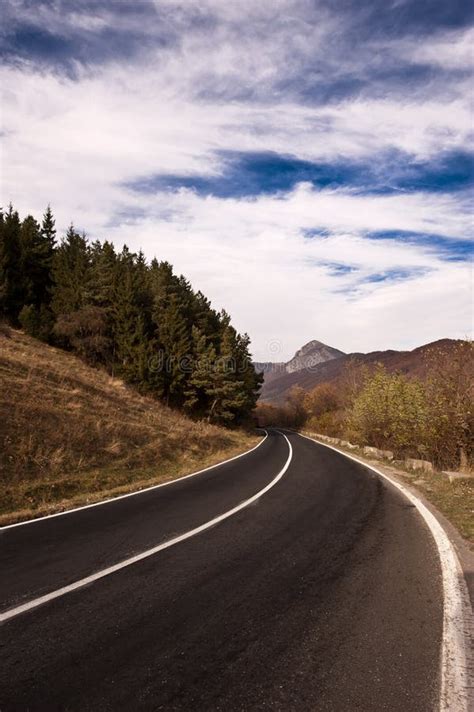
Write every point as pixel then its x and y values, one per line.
pixel 133 494
pixel 149 552
pixel 456 657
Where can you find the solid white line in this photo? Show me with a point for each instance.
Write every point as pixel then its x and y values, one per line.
pixel 456 662
pixel 133 494
pixel 150 552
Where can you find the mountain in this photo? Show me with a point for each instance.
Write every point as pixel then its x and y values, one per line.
pixel 307 357
pixel 312 354
pixel 278 382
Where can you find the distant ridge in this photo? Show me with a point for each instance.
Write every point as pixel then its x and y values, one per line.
pixel 280 379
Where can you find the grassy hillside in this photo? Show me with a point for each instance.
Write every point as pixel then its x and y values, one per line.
pixel 70 434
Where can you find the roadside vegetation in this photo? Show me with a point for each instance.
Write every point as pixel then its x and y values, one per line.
pixel 72 434
pixel 430 418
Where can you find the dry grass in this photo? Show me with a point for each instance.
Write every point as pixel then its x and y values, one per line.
pixel 70 434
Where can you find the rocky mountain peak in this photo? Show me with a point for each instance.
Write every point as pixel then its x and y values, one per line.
pixel 312 354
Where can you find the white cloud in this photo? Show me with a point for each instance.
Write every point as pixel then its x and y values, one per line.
pixel 65 141
pixel 452 50
pixel 74 143
pixel 252 257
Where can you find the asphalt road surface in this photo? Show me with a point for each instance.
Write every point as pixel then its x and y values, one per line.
pixel 323 594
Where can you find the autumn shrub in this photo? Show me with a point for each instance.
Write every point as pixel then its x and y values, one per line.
pixel 330 423
pixel 324 410
pixel 430 417
pixel 450 397
pixel 295 410
pixel 391 412
pixel 322 399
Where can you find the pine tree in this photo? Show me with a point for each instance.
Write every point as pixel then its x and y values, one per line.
pixel 36 263
pixel 215 389
pixel 171 320
pixel 227 391
pixel 238 346
pixel 143 286
pixel 205 318
pixel 71 274
pixel 11 278
pixel 79 325
pixel 103 274
pixel 252 381
pixel 174 338
pixel 200 381
pixel 48 229
pixel 131 323
pixel 36 277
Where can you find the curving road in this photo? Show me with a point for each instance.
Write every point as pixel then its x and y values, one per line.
pixel 324 594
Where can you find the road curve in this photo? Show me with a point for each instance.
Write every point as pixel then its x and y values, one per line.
pixel 324 594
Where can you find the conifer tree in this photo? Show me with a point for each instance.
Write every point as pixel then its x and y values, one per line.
pixel 131 322
pixel 144 295
pixel 103 275
pixel 36 263
pixel 173 336
pixel 252 381
pixel 205 318
pixel 36 276
pixel 48 228
pixel 215 389
pixel 197 388
pixel 71 274
pixel 11 278
pixel 227 391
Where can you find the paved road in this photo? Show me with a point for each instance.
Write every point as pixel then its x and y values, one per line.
pixel 323 595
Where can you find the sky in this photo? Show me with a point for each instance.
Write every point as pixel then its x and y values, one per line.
pixel 307 164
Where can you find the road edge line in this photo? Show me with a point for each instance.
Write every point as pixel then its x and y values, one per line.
pixel 131 494
pixel 458 626
pixel 41 600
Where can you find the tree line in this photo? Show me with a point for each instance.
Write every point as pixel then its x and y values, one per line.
pixel 139 320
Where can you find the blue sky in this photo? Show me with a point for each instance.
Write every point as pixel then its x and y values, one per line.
pixel 308 164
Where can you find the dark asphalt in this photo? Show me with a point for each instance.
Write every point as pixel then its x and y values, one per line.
pixel 325 595
pixel 50 553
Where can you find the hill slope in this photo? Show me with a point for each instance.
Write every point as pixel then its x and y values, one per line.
pixel 70 434
pixel 275 389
